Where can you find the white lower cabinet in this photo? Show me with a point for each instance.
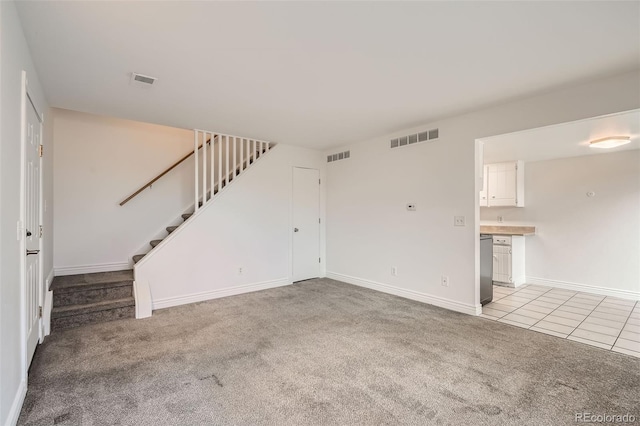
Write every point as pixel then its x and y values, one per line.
pixel 508 260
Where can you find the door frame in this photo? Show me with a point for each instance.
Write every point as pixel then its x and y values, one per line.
pixel 25 101
pixel 291 223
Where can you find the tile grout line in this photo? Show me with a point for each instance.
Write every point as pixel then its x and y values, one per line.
pixel 570 334
pixel 555 309
pixel 624 325
pixel 520 307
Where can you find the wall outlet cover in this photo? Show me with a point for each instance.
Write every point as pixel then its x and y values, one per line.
pixel 458 221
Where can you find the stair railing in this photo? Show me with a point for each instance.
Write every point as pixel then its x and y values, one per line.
pixel 226 158
pixel 167 170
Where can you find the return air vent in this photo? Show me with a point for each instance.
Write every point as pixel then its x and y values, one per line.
pixel 427 135
pixel 144 79
pixel 339 156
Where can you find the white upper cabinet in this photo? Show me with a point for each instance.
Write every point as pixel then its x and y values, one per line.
pixel 503 185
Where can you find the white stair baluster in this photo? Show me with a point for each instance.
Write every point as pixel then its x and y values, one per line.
pixel 213 163
pixel 195 149
pixel 226 172
pixel 241 154
pixel 235 162
pixel 204 167
pixel 219 163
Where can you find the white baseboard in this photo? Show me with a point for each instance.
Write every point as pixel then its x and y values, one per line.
pixel 409 294
pixel 46 317
pixel 604 291
pixel 216 294
pixel 16 406
pixel 89 269
pixel 49 280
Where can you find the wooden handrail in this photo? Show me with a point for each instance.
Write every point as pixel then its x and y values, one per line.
pixel 151 182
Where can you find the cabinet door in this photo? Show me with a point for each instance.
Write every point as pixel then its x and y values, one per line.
pixel 502 184
pixel 502 264
pixel 484 193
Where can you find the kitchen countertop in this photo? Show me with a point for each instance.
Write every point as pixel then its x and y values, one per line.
pixel 507 230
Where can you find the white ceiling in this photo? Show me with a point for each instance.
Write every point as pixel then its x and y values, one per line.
pixel 563 140
pixel 319 74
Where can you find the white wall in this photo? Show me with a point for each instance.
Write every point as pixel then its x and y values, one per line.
pixel 99 161
pixel 14 58
pixel 248 225
pixel 368 228
pixel 580 240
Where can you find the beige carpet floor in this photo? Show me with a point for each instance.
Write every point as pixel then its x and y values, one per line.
pixel 321 352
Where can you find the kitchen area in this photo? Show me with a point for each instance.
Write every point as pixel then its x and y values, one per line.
pixel 502 247
pixel 559 211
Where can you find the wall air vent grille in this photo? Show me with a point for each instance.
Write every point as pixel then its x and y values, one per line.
pixel 143 78
pixel 339 156
pixel 427 135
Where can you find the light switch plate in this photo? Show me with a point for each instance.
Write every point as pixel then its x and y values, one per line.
pixel 458 221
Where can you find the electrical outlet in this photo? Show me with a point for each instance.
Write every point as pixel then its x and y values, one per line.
pixel 500 219
pixel 411 207
pixel 444 280
pixel 458 220
pixel 394 271
pixel 240 270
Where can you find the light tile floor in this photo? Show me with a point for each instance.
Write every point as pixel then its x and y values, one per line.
pixel 606 322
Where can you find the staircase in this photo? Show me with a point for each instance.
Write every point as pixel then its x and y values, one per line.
pixel 91 298
pixel 232 151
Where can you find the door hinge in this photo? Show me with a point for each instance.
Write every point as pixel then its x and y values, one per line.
pixel 40 231
pixel 40 150
pixel 39 311
pixel 319 182
pixel 319 260
pixel 319 220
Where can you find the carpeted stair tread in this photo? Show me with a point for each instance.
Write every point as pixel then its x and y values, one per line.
pixel 170 229
pixel 95 317
pixel 186 216
pixel 155 243
pixel 137 258
pixel 68 283
pixel 66 311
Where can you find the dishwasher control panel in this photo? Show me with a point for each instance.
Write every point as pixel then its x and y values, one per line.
pixel 501 240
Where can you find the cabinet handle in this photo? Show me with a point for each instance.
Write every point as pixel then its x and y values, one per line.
pixel 493 196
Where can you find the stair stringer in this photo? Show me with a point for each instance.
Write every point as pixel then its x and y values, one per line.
pixel 171 272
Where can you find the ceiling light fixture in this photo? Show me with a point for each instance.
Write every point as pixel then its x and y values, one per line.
pixel 610 142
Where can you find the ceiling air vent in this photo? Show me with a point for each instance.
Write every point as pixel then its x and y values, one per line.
pixel 339 156
pixel 427 135
pixel 145 79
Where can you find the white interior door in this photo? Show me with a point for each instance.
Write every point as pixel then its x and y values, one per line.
pixel 32 229
pixel 306 223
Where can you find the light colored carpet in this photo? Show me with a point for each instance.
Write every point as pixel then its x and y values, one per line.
pixel 321 352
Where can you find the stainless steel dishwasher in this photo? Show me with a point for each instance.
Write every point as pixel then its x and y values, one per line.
pixel 486 268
